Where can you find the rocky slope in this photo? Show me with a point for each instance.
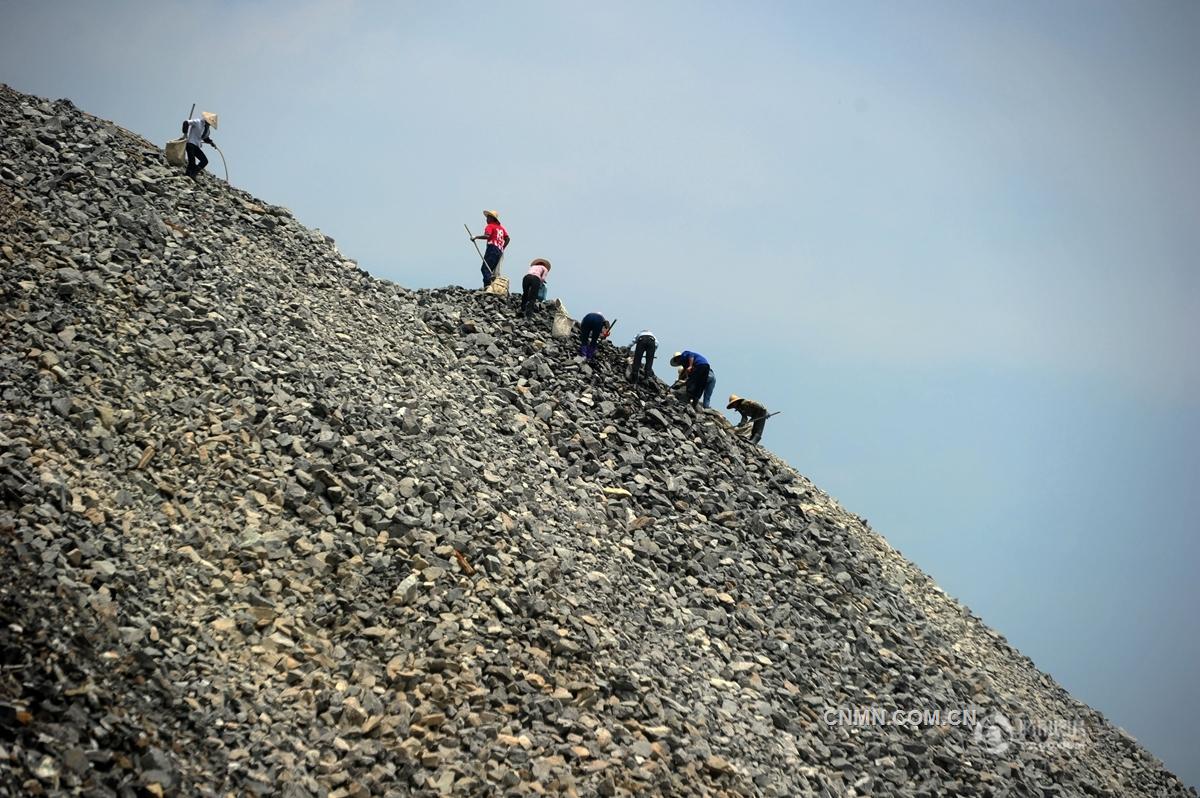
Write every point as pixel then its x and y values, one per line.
pixel 272 526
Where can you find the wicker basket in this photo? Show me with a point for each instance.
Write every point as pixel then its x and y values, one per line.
pixel 498 285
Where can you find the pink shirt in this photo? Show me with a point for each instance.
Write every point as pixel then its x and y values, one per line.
pixel 539 269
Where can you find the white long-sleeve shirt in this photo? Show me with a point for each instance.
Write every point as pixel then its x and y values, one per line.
pixel 196 131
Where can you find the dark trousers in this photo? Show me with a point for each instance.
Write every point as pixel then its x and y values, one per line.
pixel 696 382
pixel 756 431
pixel 491 261
pixel 194 154
pixel 531 285
pixel 643 348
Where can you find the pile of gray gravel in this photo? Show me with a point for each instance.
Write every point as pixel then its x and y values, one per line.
pixel 271 526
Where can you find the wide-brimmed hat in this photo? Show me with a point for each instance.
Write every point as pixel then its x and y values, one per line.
pixel 540 262
pixel 677 358
pixel 494 214
pixel 210 118
pixel 733 399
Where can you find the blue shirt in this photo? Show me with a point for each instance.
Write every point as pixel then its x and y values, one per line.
pixel 700 359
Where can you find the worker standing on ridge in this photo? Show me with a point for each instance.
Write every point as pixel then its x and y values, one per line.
pixel 592 328
pixel 497 239
pixel 644 347
pixel 196 131
pixel 696 370
pixel 533 284
pixel 751 411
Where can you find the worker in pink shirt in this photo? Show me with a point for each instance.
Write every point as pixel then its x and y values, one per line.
pixel 532 284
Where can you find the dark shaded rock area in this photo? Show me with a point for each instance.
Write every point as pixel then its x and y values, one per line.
pixel 271 526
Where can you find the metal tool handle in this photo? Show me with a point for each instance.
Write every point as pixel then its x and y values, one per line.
pixel 473 241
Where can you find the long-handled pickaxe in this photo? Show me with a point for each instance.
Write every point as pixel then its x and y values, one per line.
pixel 742 428
pixel 491 271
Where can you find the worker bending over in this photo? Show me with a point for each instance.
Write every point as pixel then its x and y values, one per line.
pixel 644 347
pixel 751 411
pixel 696 371
pixel 533 284
pixel 592 328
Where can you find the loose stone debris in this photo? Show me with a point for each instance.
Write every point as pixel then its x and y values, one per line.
pixel 271 526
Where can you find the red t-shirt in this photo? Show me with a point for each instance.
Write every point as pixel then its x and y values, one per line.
pixel 497 236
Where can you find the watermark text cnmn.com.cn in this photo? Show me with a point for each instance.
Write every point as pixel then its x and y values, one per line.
pixel 994 732
pixel 881 716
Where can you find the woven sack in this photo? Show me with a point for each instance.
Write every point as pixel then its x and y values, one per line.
pixel 176 152
pixel 563 325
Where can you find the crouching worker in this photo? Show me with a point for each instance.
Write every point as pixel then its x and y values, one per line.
pixel 534 284
pixel 696 371
pixel 751 411
pixel 592 328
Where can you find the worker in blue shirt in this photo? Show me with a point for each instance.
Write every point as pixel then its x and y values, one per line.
pixel 592 328
pixel 696 371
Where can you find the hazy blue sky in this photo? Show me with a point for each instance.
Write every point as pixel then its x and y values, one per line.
pixel 955 243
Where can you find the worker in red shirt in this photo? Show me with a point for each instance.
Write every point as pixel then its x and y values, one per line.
pixel 497 239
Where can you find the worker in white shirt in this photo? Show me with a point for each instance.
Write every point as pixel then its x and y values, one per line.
pixel 196 131
pixel 644 347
